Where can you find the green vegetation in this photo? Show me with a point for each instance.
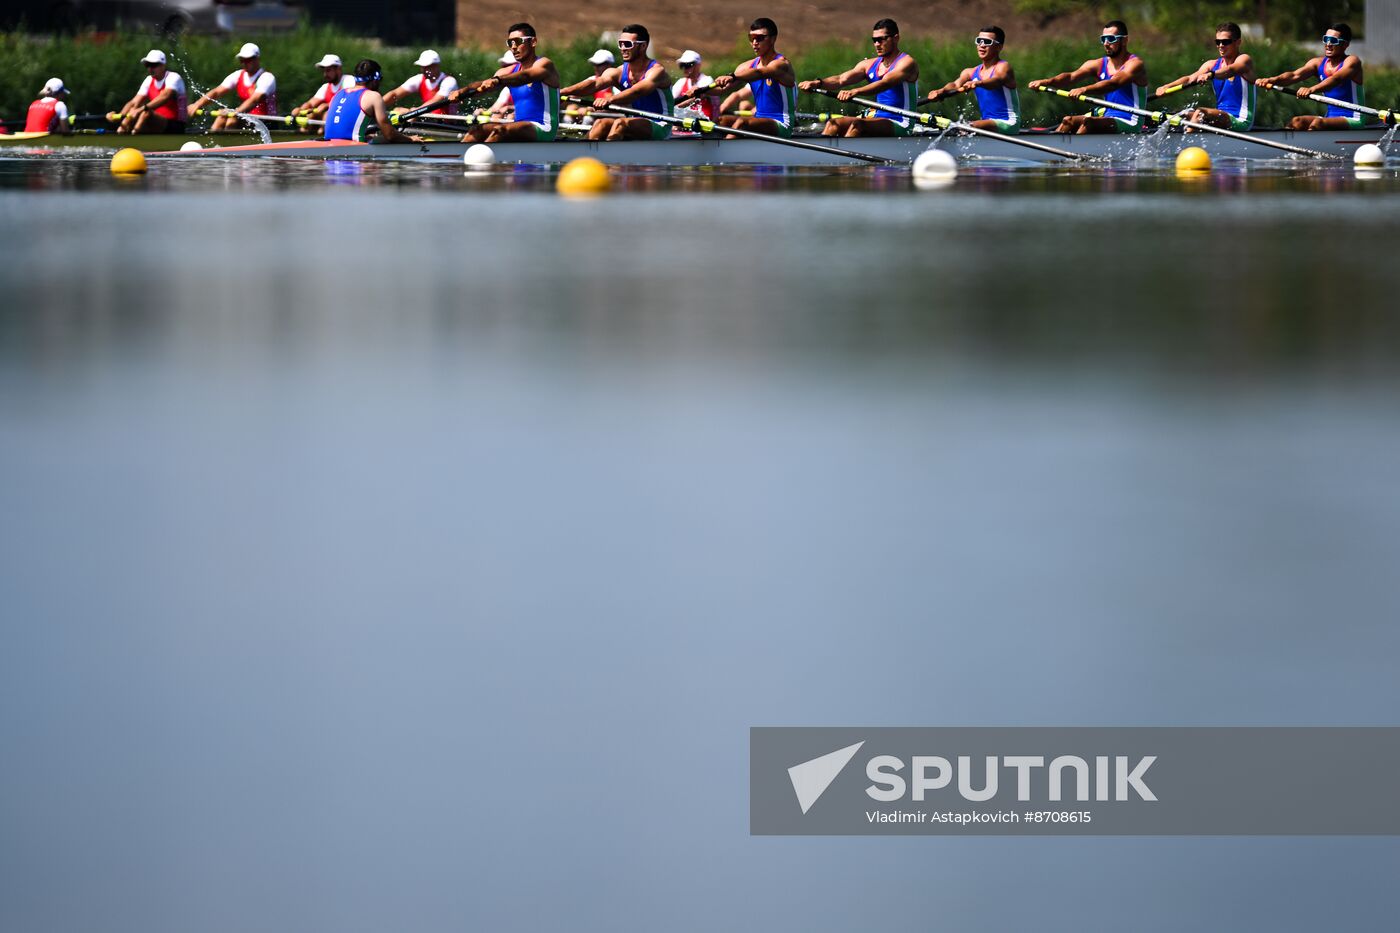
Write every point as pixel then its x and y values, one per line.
pixel 105 71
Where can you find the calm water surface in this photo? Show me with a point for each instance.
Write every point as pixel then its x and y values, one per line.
pixel 391 548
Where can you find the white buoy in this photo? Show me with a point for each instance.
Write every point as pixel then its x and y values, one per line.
pixel 192 146
pixel 935 165
pixel 1369 154
pixel 478 154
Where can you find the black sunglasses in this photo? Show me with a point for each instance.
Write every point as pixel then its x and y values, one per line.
pixel 878 39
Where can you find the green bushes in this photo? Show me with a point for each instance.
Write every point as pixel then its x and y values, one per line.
pixel 104 71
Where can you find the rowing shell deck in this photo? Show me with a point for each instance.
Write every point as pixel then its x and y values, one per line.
pixel 694 152
pixel 147 142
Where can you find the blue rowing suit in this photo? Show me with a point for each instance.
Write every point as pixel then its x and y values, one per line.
pixel 1235 96
pixel 1130 94
pixel 345 118
pixel 658 100
pixel 1002 104
pixel 904 95
pixel 773 100
pixel 536 103
pixel 1349 91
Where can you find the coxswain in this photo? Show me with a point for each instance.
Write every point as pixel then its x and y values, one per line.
pixel 533 84
pixel 49 113
pixel 336 80
pixel 772 80
pixel 355 112
pixel 1121 77
pixel 692 80
pixel 159 105
pixel 891 77
pixel 430 85
pixel 640 83
pixel 1231 75
pixel 1338 75
pixel 992 82
pixel 256 88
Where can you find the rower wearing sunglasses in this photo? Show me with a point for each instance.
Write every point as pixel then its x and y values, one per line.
pixel 993 82
pixel 891 77
pixel 1122 79
pixel 1338 76
pixel 533 84
pixel 639 84
pixel 1232 78
pixel 772 80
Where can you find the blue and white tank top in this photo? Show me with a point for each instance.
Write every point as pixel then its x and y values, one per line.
pixel 1233 95
pixel 773 100
pixel 535 102
pixel 1348 91
pixel 1130 94
pixel 903 95
pixel 997 103
pixel 345 118
pixel 656 101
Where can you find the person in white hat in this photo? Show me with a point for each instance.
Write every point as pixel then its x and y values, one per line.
pixel 49 113
pixel 601 61
pixel 430 85
pixel 333 70
pixel 159 105
pixel 256 88
pixel 692 79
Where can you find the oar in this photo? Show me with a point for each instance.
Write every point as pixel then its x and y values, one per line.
pixel 708 126
pixel 1172 119
pixel 945 123
pixel 1386 116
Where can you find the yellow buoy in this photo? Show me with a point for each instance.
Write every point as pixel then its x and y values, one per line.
pixel 1193 159
pixel 582 177
pixel 128 162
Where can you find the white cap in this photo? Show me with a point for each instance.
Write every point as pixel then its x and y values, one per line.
pixel 154 57
pixel 54 86
pixel 330 61
pixel 429 57
pixel 249 50
pixel 508 59
pixel 602 57
pixel 688 56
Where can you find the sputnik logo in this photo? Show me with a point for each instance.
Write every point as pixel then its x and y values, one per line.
pixel 811 778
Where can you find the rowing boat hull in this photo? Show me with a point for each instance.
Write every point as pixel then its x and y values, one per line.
pixel 152 142
pixel 695 152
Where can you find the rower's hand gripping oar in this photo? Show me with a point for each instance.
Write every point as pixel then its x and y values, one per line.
pixel 708 126
pixel 1386 116
pixel 1179 121
pixel 945 123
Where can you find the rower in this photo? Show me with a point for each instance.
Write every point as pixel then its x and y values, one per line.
pixel 159 105
pixel 992 82
pixel 533 83
pixel 1339 76
pixel 772 79
pixel 692 79
pixel 255 86
pixel 430 84
pixel 1231 76
pixel 1122 79
pixel 336 81
pixel 891 77
pixel 356 111
pixel 641 84
pixel 49 113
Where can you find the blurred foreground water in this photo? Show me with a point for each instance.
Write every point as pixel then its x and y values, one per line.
pixel 418 557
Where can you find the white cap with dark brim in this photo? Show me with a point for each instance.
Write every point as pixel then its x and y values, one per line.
pixel 688 56
pixel 330 61
pixel 154 57
pixel 249 50
pixel 429 57
pixel 602 57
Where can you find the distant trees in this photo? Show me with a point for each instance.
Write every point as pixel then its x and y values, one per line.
pixel 1281 19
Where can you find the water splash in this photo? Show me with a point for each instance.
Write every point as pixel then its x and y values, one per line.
pixel 1387 138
